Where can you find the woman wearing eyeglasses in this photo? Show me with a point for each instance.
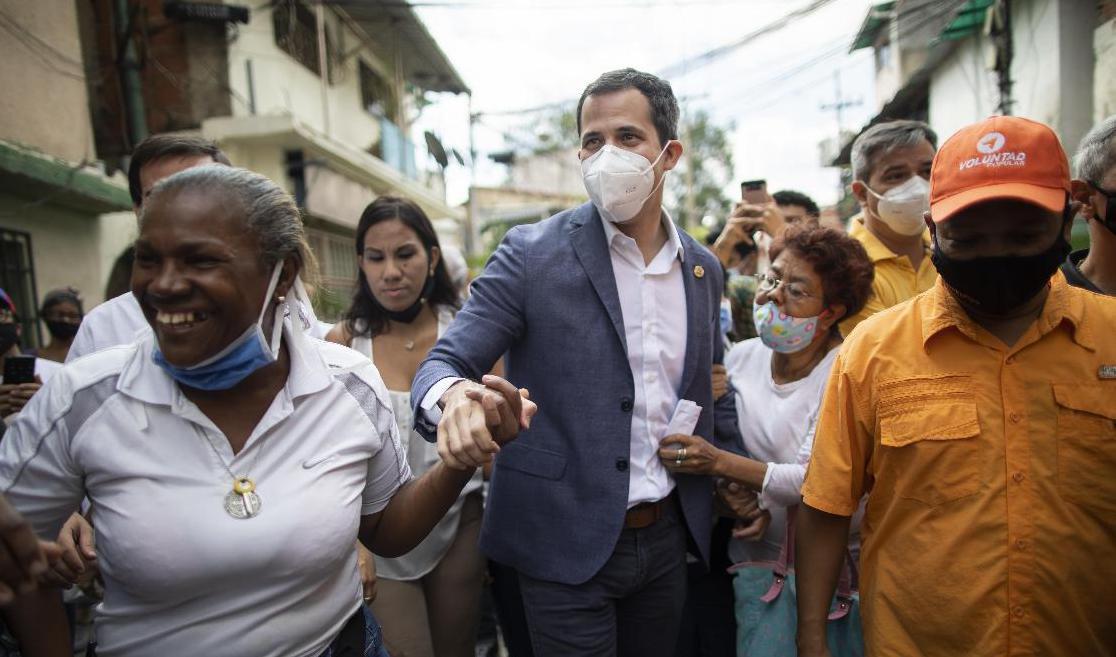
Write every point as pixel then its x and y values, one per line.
pixel 817 277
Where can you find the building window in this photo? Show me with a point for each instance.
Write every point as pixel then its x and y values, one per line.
pixel 296 33
pixel 375 93
pixel 883 56
pixel 17 277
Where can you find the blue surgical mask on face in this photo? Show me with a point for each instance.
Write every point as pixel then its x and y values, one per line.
pixel 248 353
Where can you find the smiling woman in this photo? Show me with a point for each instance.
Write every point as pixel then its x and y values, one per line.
pixel 230 460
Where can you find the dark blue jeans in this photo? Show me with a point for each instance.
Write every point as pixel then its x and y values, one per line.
pixel 631 607
pixel 372 644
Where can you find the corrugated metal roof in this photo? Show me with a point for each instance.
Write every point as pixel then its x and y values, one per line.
pixel 878 16
pixel 969 20
pixel 392 26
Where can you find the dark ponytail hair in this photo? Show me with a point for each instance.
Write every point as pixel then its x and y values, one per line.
pixel 365 317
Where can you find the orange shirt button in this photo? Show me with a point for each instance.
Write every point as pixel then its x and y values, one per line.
pixel 1015 417
pixel 1017 612
pixel 1021 544
pixel 1018 477
pixel 1010 360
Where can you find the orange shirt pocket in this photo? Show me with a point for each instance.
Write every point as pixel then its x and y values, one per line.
pixel 929 438
pixel 1087 444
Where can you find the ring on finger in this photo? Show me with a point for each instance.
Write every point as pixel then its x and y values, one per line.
pixel 681 456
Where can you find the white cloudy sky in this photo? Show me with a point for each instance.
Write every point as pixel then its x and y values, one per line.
pixel 524 53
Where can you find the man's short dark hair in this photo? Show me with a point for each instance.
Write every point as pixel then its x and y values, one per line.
pixel 791 197
pixel 157 147
pixel 657 91
pixel 882 138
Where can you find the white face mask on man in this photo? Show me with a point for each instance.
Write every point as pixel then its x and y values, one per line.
pixel 619 182
pixel 902 207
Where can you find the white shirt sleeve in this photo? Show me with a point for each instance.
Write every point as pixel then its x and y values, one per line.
pixel 782 483
pixel 37 472
pixel 388 468
pixel 429 406
pixel 82 344
pixel 44 369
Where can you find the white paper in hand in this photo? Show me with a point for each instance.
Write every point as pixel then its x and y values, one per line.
pixel 685 418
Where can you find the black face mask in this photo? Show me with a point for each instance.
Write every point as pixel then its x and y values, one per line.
pixel 9 337
pixel 62 330
pixel 1109 220
pixel 408 314
pixel 1000 284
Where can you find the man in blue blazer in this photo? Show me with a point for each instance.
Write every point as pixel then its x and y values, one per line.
pixel 609 315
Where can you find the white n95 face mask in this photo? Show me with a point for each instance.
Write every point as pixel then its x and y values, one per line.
pixel 619 182
pixel 902 208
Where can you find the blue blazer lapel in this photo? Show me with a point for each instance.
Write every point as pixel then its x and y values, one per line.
pixel 697 312
pixel 588 238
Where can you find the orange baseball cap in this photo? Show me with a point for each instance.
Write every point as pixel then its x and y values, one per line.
pixel 1001 157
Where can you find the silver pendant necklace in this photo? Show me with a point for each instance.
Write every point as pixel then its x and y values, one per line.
pixel 242 502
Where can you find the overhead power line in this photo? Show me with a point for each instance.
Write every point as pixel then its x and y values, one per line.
pixel 690 63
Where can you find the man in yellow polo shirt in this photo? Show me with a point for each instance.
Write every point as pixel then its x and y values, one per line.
pixel 980 420
pixel 891 164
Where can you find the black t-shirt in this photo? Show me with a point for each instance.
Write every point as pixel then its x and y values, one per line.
pixel 1072 270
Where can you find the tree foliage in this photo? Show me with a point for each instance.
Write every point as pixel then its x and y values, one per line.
pixel 696 187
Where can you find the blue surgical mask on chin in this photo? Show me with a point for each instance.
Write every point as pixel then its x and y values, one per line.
pixel 248 353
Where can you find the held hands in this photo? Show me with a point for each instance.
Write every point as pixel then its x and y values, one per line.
pixel 78 562
pixel 681 454
pixel 23 557
pixel 477 419
pixel 743 504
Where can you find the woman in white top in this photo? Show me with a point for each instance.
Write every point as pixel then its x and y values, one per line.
pixel 817 276
pixel 230 460
pixel 429 599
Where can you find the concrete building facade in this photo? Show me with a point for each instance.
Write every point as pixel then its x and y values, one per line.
pixel 62 219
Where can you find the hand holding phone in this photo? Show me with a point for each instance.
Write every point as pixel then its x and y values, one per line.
pixel 754 192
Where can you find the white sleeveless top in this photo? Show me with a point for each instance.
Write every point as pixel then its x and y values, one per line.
pixel 421 456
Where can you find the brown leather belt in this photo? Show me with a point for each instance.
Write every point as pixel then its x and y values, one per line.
pixel 645 514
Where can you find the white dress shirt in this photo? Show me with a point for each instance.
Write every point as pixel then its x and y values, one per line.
pixel 114 322
pixel 182 576
pixel 653 304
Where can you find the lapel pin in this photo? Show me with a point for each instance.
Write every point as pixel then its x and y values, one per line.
pixel 1107 372
pixel 699 271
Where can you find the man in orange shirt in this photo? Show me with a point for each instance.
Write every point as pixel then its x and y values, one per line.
pixel 980 420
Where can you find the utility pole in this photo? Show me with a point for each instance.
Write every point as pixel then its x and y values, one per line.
pixel 471 211
pixel 323 65
pixel 691 202
pixel 1004 53
pixel 130 81
pixel 838 107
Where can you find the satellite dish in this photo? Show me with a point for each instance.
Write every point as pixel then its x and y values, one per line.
pixel 437 151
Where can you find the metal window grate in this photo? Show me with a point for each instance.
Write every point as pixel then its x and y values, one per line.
pixel 17 277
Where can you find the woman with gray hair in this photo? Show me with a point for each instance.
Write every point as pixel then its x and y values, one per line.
pixel 1094 188
pixel 230 460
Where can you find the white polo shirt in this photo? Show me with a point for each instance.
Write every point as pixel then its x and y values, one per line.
pixel 181 575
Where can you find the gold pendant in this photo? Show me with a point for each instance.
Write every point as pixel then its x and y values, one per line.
pixel 242 502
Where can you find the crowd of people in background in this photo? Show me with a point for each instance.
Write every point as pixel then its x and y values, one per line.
pixel 895 438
